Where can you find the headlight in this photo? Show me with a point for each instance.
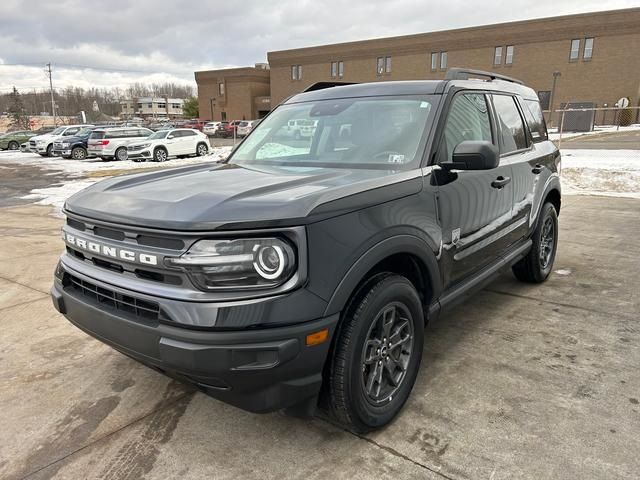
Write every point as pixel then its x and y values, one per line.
pixel 65 145
pixel 252 263
pixel 142 145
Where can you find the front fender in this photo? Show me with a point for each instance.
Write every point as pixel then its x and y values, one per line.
pixel 407 244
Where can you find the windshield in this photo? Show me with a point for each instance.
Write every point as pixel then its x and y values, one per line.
pixel 159 134
pixel 85 132
pixel 376 133
pixel 59 131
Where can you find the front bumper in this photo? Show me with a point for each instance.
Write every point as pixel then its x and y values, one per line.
pixel 139 155
pixel 259 370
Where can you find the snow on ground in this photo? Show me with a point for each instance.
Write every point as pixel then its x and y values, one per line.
pixel 601 172
pixel 78 170
pixel 554 135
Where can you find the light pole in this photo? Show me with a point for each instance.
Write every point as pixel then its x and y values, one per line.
pixel 556 74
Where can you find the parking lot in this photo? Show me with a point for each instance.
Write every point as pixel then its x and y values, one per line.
pixel 519 382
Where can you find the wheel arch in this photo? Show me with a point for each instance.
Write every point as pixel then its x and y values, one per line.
pixel 404 255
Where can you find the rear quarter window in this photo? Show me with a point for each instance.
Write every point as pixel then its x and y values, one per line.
pixel 97 136
pixel 535 120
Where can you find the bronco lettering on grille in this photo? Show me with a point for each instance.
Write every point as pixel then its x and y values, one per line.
pixel 113 252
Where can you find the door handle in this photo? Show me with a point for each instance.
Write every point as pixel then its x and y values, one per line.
pixel 500 182
pixel 537 169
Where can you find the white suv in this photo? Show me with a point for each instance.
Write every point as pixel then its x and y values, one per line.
pixel 43 144
pixel 169 143
pixel 111 143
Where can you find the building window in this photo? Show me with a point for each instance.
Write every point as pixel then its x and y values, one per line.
pixel 508 59
pixel 296 72
pixel 443 60
pixel 497 56
pixel 221 88
pixel 588 49
pixel 434 61
pixel 337 69
pixel 575 49
pixel 383 65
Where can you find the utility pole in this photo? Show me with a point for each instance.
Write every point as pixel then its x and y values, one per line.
pixel 53 103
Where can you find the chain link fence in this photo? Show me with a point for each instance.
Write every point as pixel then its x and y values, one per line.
pixel 600 149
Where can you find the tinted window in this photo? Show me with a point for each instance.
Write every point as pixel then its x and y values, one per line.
pixel 71 131
pixel 468 119
pixel 115 134
pixel 535 120
pixel 97 135
pixel 512 131
pixel 188 133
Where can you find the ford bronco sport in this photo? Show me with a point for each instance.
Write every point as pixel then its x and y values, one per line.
pixel 306 268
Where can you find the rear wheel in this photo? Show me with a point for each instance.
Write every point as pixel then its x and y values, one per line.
pixel 78 153
pixel 121 154
pixel 201 150
pixel 160 154
pixel 13 146
pixel 537 265
pixel 377 354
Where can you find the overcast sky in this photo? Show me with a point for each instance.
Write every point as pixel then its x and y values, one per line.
pixel 163 40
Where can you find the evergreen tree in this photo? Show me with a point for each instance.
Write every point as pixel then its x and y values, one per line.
pixel 19 120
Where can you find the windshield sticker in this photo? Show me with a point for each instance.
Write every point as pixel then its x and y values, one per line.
pixel 395 158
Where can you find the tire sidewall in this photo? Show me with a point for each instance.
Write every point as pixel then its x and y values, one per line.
pixel 13 144
pixel 155 155
pixel 548 210
pixel 76 149
pixel 368 415
pixel 120 149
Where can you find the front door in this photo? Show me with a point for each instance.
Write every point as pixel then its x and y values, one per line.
pixel 474 206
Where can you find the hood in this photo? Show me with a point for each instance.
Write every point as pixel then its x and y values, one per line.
pixel 206 197
pixel 46 137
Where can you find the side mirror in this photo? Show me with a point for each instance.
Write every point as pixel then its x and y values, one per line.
pixel 474 155
pixel 169 137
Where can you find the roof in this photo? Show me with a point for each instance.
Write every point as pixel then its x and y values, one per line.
pixel 412 87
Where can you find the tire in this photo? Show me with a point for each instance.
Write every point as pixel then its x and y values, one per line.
pixel 121 154
pixel 13 146
pixel 49 151
pixel 538 263
pixel 160 155
pixel 361 394
pixel 78 153
pixel 201 150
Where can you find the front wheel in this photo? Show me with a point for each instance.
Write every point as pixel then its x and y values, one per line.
pixel 160 155
pixel 78 153
pixel 121 154
pixel 50 151
pixel 536 266
pixel 377 354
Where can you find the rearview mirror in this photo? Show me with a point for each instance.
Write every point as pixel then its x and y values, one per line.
pixel 474 155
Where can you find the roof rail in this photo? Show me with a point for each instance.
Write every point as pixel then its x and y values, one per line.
pixel 323 85
pixel 466 73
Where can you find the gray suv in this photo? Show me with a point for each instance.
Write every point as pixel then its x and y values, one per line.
pixel 305 270
pixel 111 143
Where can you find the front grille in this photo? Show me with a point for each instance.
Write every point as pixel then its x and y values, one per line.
pixel 32 143
pixel 105 297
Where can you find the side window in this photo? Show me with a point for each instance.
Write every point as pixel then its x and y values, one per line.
pixel 70 131
pixel 512 132
pixel 535 120
pixel 188 133
pixel 468 119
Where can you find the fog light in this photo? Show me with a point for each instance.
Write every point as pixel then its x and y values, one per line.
pixel 317 338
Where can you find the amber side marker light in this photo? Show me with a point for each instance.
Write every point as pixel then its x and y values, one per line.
pixel 317 338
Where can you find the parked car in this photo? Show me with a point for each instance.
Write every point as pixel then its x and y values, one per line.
pixel 43 144
pixel 13 140
pixel 112 143
pixel 288 273
pixel 161 126
pixel 211 128
pixel 74 146
pixel 165 144
pixel 301 128
pixel 244 128
pixel 195 124
pixel 24 147
pixel 229 128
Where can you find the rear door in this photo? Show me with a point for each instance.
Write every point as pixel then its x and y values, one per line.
pixel 474 207
pixel 517 151
pixel 189 140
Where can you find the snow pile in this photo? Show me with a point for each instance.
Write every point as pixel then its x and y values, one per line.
pixel 79 168
pixel 601 172
pixel 554 135
pixel 58 193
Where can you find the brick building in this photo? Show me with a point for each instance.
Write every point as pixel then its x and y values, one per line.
pixel 590 57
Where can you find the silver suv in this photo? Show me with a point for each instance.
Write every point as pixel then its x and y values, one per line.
pixel 111 143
